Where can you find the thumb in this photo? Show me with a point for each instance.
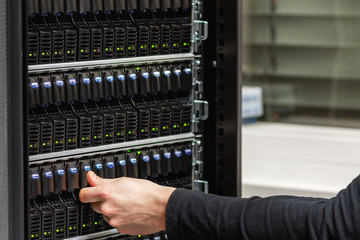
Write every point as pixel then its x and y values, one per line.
pixel 95 180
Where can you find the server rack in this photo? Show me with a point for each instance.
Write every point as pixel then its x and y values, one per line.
pixel 88 103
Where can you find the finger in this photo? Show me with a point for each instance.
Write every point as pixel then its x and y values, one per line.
pixel 91 194
pixel 95 180
pixel 96 207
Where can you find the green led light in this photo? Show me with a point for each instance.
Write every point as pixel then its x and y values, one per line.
pixel 83 139
pixel 174 44
pixel 61 229
pixel 139 236
pixel 118 49
pixel 45 233
pixel 82 50
pixel 30 55
pixel 95 137
pixel 129 48
pixel 106 135
pixel 32 236
pixel 56 53
pixel 57 230
pixel 94 50
pixel 84 225
pixel 185 124
pixel 96 223
pixel 142 130
pixel 164 45
pixel 184 44
pixel 68 51
pixel 142 47
pixel 118 134
pixel 129 151
pixel 69 140
pixel 137 68
pixel 44 144
pixel 164 127
pixel 153 129
pixel 31 145
pixel 130 132
pixel 138 152
pixel 56 142
pixel 174 126
pixel 106 49
pixel 152 46
pixel 70 228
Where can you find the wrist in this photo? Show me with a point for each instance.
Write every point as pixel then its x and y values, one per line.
pixel 162 201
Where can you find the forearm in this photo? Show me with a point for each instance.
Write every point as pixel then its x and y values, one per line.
pixel 193 215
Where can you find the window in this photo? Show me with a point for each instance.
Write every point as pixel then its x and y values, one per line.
pixel 306 57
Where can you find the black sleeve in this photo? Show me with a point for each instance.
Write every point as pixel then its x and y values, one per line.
pixel 195 215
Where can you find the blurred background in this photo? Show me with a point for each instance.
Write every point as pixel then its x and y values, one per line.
pixel 301 96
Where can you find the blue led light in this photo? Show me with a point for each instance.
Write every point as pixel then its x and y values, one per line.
pixel 156 157
pixel 35 176
pixel 146 158
pixel 73 170
pixel 167 155
pixel 156 74
pixel 188 151
pixel 86 80
pixel 178 153
pixel 167 73
pixel 87 168
pixel 122 163
pixel 72 81
pixel 121 77
pixel 132 76
pixel 145 75
pixel 60 172
pixel 110 164
pixel 34 85
pixel 59 83
pixel 98 79
pixel 98 166
pixel 48 174
pixel 177 72
pixel 188 71
pixel 110 78
pixel 133 160
pixel 47 84
pixel 157 238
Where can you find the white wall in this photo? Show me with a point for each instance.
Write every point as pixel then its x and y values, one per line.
pixel 287 159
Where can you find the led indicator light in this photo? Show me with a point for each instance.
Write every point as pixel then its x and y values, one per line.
pixel 35 176
pixel 73 170
pixel 47 84
pixel 110 78
pixel 177 72
pixel 156 157
pixel 59 83
pixel 122 163
pixel 167 155
pixel 133 160
pixel 178 153
pixel 72 81
pixel 156 74
pixel 110 164
pixel 98 79
pixel 146 158
pixel 121 77
pixel 167 73
pixel 34 85
pixel 145 75
pixel 188 71
pixel 48 174
pixel 87 168
pixel 188 151
pixel 60 172
pixel 132 76
pixel 86 80
pixel 98 166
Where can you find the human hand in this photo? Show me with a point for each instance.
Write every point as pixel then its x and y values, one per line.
pixel 132 206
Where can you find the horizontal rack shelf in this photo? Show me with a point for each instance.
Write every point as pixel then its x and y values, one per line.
pixel 98 236
pixel 109 62
pixel 111 147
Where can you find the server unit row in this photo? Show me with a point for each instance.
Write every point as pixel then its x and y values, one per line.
pixel 55 210
pixel 82 30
